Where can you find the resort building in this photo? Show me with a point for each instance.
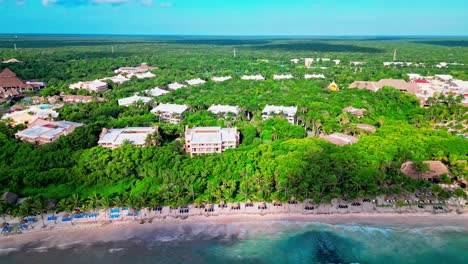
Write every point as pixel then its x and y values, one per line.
pixel 398 84
pixel 195 82
pixel 359 112
pixel 172 113
pixel 118 79
pixel 175 86
pixel 144 75
pixel 42 131
pixel 133 100
pixel 272 111
pixel 7 95
pixel 156 92
pixel 314 76
pixel 257 77
pixel 443 77
pixel 295 61
pixel 131 70
pixel 366 127
pixel 415 76
pixel 356 63
pixel 308 62
pixel 208 140
pixel 221 79
pixel 224 109
pixel 30 115
pixel 339 139
pixel 81 99
pixel 282 76
pixel 115 137
pixel 9 81
pixel 92 86
pixel 337 62
pixel 12 60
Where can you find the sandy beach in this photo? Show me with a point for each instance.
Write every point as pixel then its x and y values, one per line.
pixel 101 229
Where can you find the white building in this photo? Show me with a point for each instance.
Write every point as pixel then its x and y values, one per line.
pixel 356 63
pixel 414 76
pixel 172 113
pixel 175 86
pixel 133 100
pixel 131 70
pixel 272 111
pixel 221 79
pixel 209 140
pixel 442 65
pixel 223 109
pixel 337 62
pixel 30 115
pixel 115 137
pixel 92 86
pixel 257 77
pixel 195 82
pixel 308 62
pixel 156 92
pixel 314 76
pixel 282 76
pixel 144 75
pixel 42 131
pixel 118 79
pixel 295 61
pixel 443 77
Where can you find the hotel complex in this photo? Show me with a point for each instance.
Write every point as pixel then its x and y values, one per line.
pixel 115 137
pixel 208 140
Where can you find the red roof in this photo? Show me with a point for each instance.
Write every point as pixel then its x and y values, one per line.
pixel 421 81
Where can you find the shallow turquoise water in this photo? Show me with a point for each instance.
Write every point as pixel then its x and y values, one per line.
pixel 269 242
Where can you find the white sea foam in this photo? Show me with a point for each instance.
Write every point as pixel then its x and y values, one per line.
pixel 4 251
pixel 114 250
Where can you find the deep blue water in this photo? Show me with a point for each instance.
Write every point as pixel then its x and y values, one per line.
pixel 269 242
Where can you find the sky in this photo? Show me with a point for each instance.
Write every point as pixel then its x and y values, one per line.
pixel 236 17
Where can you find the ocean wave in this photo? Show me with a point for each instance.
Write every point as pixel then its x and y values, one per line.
pixel 5 251
pixel 39 249
pixel 114 250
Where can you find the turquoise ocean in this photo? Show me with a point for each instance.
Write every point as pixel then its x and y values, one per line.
pixel 262 242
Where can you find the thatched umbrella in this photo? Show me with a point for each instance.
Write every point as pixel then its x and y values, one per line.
pixel 293 200
pixel 236 206
pixel 248 203
pixel 5 224
pixel 208 207
pixel 222 203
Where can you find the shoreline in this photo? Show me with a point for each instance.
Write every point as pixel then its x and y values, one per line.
pixel 103 230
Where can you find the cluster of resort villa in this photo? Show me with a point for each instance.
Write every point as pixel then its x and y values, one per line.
pixel 422 87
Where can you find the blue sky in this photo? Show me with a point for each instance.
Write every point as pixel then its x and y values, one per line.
pixel 236 17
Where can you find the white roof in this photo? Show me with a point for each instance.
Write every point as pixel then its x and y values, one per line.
pixel 215 109
pixel 282 76
pixel 88 85
pixel 144 75
pixel 314 76
pixel 175 86
pixel 295 60
pixel 170 108
pixel 134 99
pixel 135 135
pixel 288 110
pixel 197 81
pixel 414 76
pixel 221 79
pixel 444 77
pixel 118 79
pixel 257 77
pixel 156 91
pixel 206 135
pixel 47 130
pixel 460 83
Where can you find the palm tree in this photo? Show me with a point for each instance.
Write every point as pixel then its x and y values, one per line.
pixel 75 201
pixel 39 206
pixel 5 209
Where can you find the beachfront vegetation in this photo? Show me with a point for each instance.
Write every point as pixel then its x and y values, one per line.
pixel 276 160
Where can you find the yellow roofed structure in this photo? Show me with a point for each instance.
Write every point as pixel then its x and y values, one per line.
pixel 333 87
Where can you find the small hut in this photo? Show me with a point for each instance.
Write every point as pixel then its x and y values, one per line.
pixel 262 206
pixel 10 197
pixel 277 203
pixel 235 206
pixel 434 170
pixel 222 204
pixel 248 203
pixel 209 208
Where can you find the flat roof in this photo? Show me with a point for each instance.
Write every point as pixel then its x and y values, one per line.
pixel 171 108
pixel 288 110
